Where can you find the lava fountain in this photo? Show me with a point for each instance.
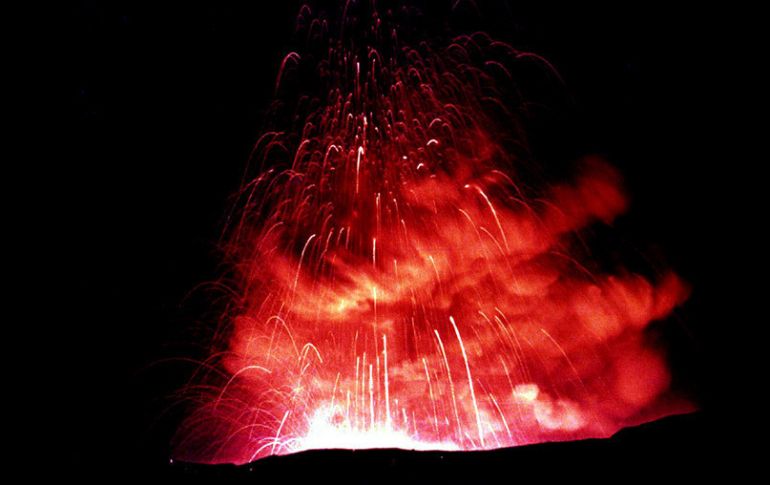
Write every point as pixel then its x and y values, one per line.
pixel 406 276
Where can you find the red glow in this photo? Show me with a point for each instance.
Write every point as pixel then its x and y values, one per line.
pixel 403 283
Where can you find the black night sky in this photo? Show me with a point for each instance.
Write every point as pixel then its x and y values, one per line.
pixel 164 101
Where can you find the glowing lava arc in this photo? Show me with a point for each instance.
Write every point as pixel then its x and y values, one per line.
pixel 403 278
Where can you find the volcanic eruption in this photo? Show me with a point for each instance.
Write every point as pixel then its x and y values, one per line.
pixel 405 274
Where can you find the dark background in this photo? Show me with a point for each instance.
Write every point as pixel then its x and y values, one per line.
pixel 163 104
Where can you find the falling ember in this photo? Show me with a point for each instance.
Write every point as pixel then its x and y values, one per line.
pixel 406 279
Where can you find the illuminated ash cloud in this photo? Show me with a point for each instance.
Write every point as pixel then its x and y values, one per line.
pixel 405 279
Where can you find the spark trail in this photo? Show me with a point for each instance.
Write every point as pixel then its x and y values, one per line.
pixel 406 279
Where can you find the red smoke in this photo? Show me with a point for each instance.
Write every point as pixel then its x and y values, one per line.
pixel 405 281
